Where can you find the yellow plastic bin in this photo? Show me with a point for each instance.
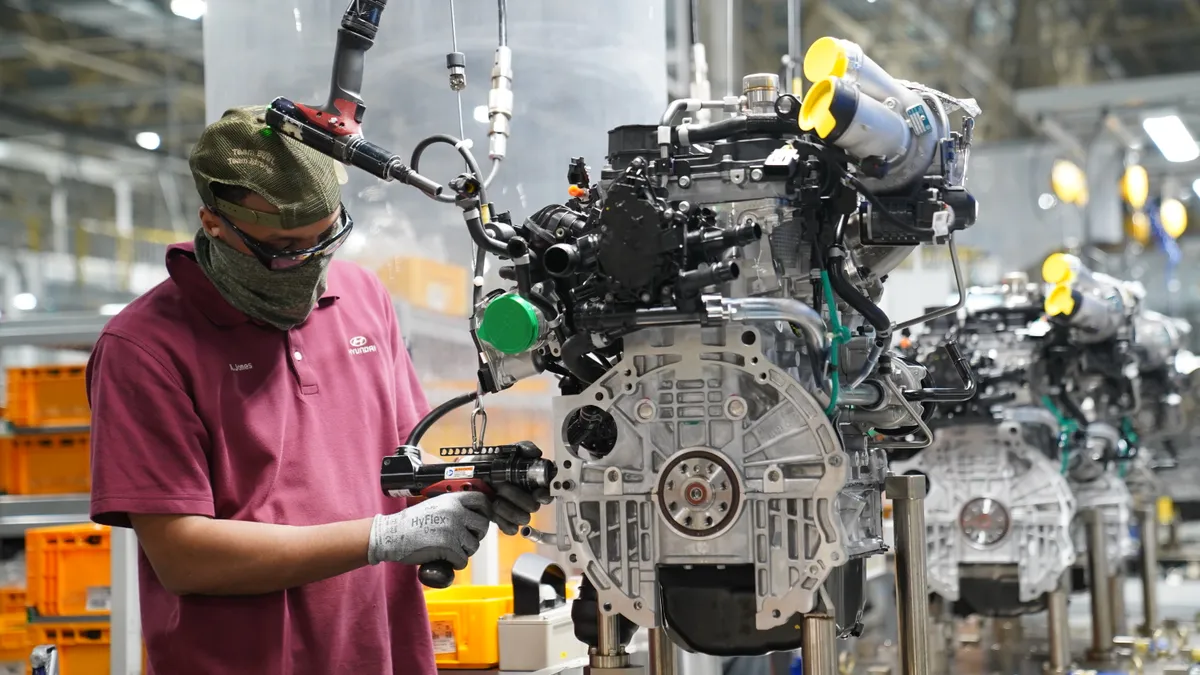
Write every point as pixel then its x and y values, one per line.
pixel 464 622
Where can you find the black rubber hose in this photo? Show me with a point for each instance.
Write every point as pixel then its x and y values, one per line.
pixel 414 436
pixel 949 394
pixel 574 358
pixel 732 127
pixel 543 303
pixel 861 303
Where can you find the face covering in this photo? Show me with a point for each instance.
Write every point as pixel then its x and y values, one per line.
pixel 280 298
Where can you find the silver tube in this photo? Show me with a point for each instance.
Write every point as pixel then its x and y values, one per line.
pixel 1102 636
pixel 818 645
pixel 962 293
pixel 912 587
pixel 663 658
pixel 492 174
pixel 687 105
pixel 538 536
pixel 779 309
pixel 863 396
pixel 1149 528
pixel 1060 629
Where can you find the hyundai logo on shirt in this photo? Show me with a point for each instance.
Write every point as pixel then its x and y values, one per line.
pixel 358 345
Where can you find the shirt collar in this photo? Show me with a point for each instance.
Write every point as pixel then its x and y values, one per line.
pixel 195 285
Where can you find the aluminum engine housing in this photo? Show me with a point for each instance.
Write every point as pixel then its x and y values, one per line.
pixel 721 459
pixel 993 460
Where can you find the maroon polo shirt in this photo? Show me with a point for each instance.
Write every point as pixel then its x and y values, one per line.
pixel 198 410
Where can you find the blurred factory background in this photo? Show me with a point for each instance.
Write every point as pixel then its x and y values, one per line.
pixel 100 101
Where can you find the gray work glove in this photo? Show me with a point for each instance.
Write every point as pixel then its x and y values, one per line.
pixel 447 527
pixel 514 507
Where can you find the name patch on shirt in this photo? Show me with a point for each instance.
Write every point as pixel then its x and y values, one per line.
pixel 239 367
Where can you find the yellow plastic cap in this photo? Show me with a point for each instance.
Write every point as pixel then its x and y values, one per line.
pixel 825 58
pixel 1057 269
pixel 816 110
pixel 1060 301
pixel 1135 186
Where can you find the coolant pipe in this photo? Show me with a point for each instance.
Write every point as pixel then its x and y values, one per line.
pixel 869 365
pixel 861 303
pixel 688 134
pixel 780 309
pixel 687 105
pixel 949 394
pixel 539 537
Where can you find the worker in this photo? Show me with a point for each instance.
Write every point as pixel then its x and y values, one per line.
pixel 240 413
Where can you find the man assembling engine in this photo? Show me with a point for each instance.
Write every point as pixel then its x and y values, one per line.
pixel 240 411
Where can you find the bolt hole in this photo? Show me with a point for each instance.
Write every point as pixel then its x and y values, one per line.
pixel 723 486
pixel 687 521
pixel 599 396
pixel 775 613
pixel 708 521
pixel 608 606
pixel 670 485
pixel 568 485
pixel 566 464
pixel 557 485
pixel 748 337
pixel 683 468
pixel 762 377
pixel 573 558
pixel 754 360
pixel 628 372
pixel 672 506
pixel 723 507
pixel 628 386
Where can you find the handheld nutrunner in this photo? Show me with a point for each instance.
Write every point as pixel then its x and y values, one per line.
pixel 479 469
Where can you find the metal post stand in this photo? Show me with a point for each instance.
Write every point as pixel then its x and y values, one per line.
pixel 1102 623
pixel 663 659
pixel 818 648
pixel 1149 528
pixel 1060 628
pixel 609 656
pixel 912 586
pixel 1116 592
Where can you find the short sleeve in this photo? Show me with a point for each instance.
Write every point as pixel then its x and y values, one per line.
pixel 149 447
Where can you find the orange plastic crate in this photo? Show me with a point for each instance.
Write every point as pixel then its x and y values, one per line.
pixel 14 638
pixel 46 464
pixel 48 396
pixel 68 570
pixel 83 647
pixel 12 600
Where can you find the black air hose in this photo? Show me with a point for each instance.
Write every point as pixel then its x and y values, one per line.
pixel 861 303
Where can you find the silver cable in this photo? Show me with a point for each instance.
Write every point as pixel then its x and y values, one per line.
pixel 462 132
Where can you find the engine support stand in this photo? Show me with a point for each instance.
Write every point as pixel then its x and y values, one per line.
pixel 1101 651
pixel 1149 565
pixel 912 586
pixel 663 657
pixel 1060 628
pixel 609 656
pixel 818 648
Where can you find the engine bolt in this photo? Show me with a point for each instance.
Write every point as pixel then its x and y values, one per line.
pixel 772 475
pixel 614 475
pixel 835 461
pixel 756 174
pixel 645 410
pixel 736 407
pixel 685 182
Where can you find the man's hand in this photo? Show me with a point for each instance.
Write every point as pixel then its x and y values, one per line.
pixel 514 507
pixel 447 527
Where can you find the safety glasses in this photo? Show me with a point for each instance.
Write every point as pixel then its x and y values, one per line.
pixel 275 259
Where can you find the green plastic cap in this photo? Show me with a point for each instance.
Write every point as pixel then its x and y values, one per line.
pixel 511 324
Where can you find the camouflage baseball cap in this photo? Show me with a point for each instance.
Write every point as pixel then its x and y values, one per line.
pixel 241 150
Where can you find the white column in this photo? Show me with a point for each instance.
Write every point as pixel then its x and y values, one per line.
pixel 125 657
pixel 485 564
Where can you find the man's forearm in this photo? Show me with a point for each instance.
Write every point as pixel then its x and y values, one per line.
pixel 202 556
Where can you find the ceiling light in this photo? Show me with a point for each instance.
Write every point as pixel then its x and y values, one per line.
pixel 24 301
pixel 189 9
pixel 148 140
pixel 1172 138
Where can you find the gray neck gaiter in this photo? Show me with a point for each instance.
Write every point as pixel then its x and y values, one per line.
pixel 281 298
